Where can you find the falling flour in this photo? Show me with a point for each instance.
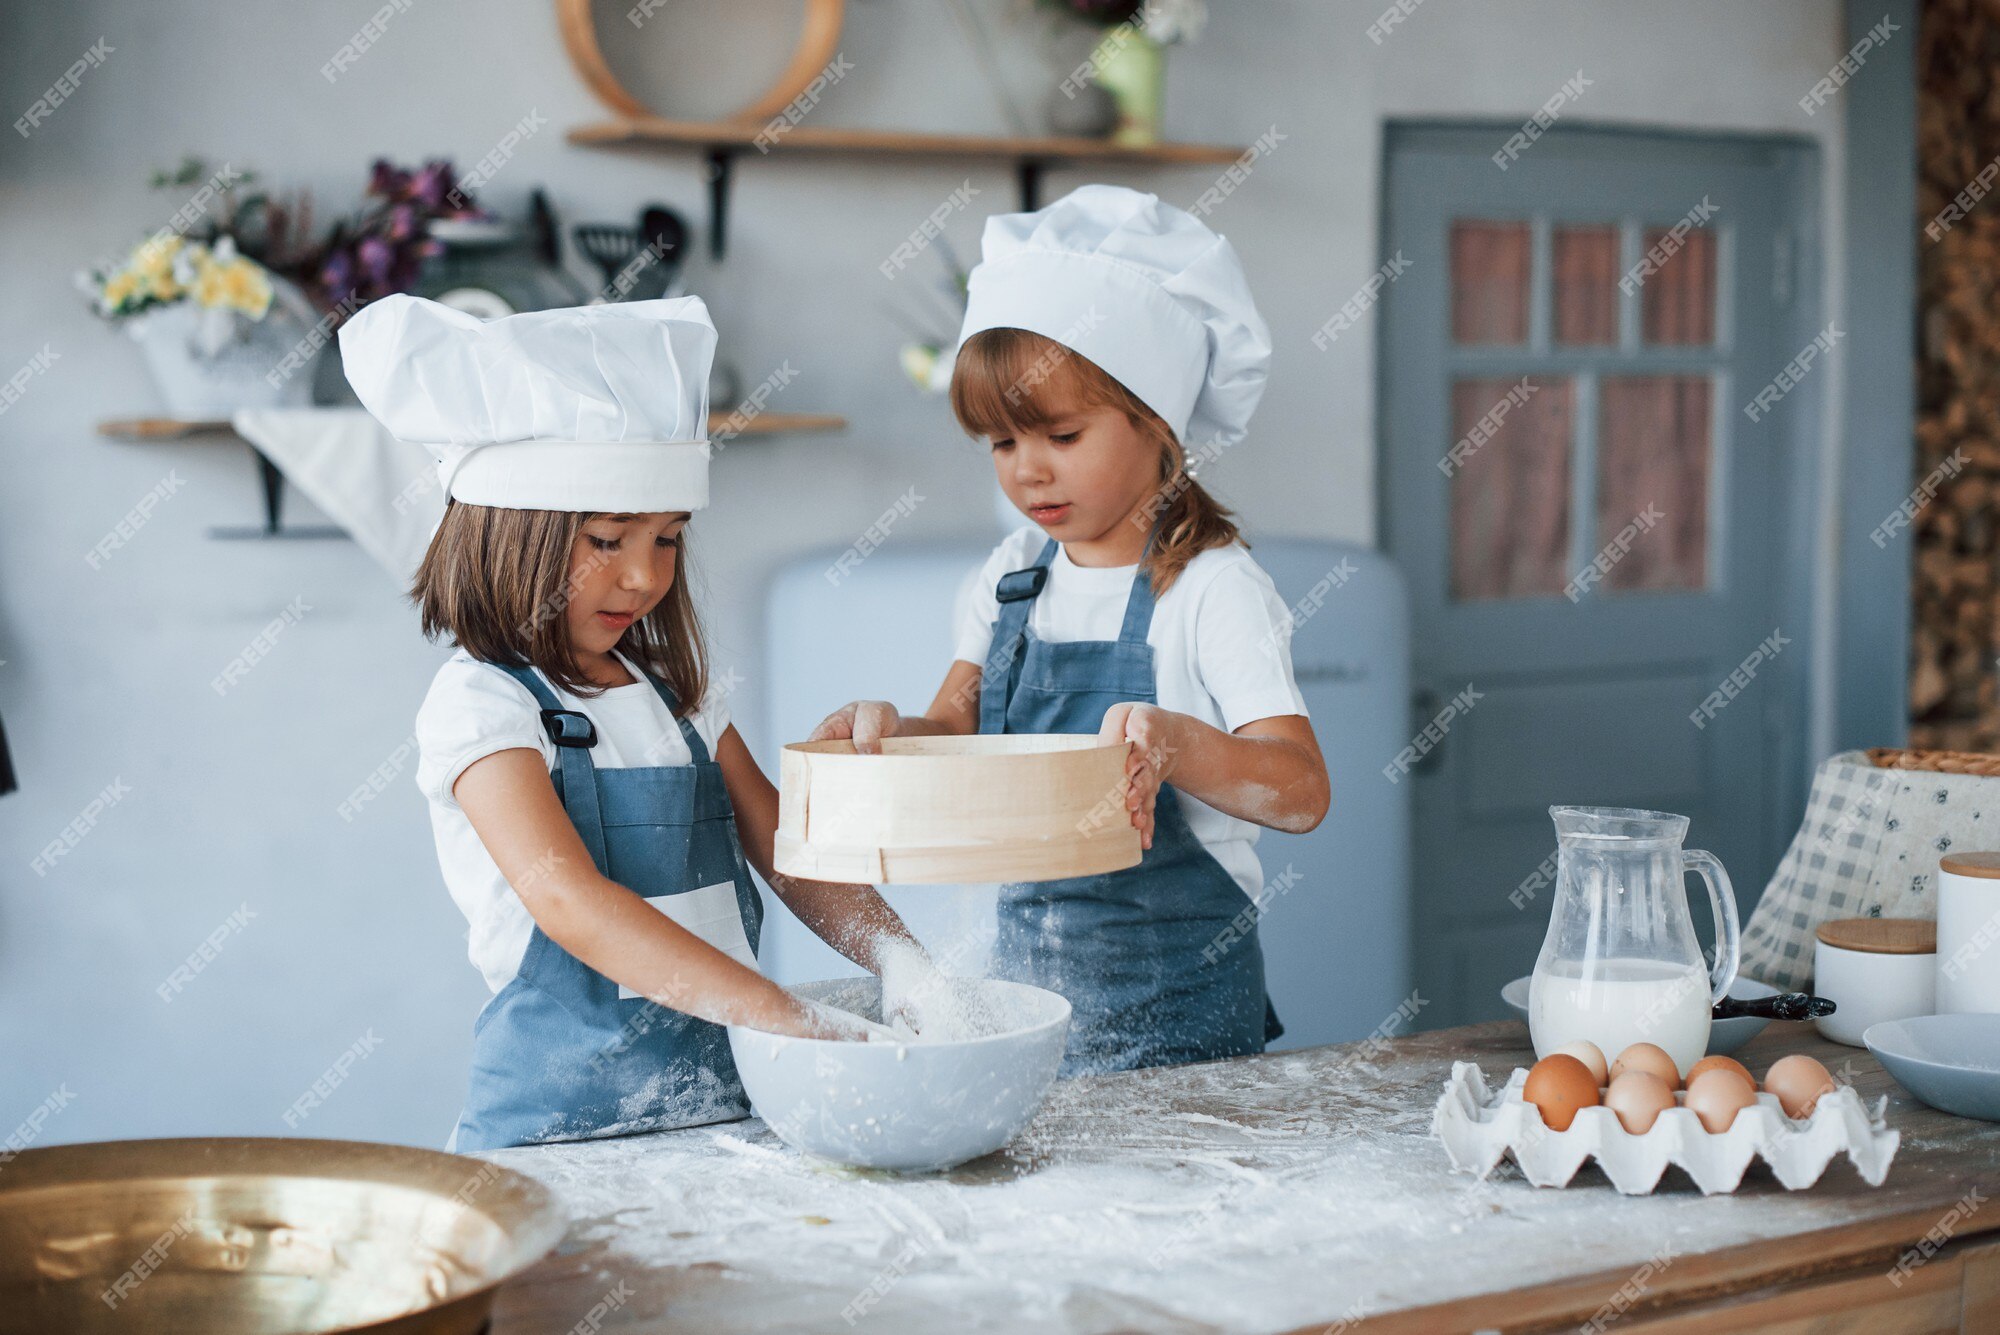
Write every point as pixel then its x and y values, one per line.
pixel 922 1004
pixel 934 1008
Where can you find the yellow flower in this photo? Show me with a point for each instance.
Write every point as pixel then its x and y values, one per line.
pixel 167 268
pixel 208 293
pixel 154 257
pixel 239 286
pixel 119 287
pixel 247 287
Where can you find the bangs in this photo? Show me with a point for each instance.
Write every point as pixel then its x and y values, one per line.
pixel 1009 380
pixel 499 582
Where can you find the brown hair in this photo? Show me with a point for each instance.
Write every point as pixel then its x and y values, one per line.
pixel 1012 379
pixel 498 582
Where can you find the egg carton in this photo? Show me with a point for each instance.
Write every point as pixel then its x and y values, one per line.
pixel 1479 1128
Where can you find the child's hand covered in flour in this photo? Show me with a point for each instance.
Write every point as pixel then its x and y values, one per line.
pixel 867 722
pixel 1157 739
pixel 830 1022
pixel 916 995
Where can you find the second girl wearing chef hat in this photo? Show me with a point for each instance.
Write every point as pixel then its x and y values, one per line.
pixel 1107 339
pixel 592 805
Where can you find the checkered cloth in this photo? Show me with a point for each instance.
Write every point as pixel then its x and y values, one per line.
pixel 1869 848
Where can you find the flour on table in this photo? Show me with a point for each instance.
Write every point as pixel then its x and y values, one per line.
pixel 1255 1195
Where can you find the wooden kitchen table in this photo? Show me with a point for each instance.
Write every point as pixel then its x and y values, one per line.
pixel 1293 1191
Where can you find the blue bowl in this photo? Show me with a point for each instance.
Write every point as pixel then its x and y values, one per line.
pixel 1724 1036
pixel 1951 1062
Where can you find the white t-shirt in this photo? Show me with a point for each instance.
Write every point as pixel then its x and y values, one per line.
pixel 1222 650
pixel 474 709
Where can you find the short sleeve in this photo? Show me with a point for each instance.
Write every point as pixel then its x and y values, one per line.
pixel 471 712
pixel 711 720
pixel 1243 646
pixel 977 606
pixel 973 616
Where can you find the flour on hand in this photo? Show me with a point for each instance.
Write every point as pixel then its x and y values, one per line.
pixel 919 1003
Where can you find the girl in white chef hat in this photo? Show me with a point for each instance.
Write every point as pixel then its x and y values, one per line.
pixel 1110 343
pixel 595 813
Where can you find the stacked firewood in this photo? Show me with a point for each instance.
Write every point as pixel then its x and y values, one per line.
pixel 1954 632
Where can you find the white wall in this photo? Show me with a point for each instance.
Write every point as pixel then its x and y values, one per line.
pixel 232 800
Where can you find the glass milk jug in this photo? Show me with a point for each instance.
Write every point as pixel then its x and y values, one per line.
pixel 1620 964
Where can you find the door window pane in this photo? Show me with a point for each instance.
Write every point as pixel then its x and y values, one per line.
pixel 1489 281
pixel 1677 302
pixel 1510 480
pixel 1652 479
pixel 1586 285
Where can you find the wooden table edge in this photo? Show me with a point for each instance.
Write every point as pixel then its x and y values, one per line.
pixel 1744 1268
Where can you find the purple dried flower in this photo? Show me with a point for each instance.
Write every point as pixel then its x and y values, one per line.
pixel 433 184
pixel 384 248
pixel 375 255
pixel 386 181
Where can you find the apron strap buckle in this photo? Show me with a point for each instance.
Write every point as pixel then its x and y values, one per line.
pixel 1021 584
pixel 566 727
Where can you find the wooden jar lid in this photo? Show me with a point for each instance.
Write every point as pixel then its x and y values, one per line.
pixel 1881 936
pixel 1986 865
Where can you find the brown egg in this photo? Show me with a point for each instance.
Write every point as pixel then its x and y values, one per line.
pixel 1638 1097
pixel 1559 1085
pixel 1648 1057
pixel 1716 1095
pixel 1798 1081
pixel 1590 1055
pixel 1725 1063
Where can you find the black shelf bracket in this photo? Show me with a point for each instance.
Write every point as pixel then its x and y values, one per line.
pixel 1028 177
pixel 721 166
pixel 721 174
pixel 273 484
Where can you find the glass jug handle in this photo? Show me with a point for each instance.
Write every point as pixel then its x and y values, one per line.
pixel 1722 901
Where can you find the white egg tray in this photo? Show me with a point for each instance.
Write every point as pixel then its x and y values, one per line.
pixel 1479 1128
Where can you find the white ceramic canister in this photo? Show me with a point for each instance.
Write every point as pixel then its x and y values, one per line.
pixel 1874 969
pixel 1968 933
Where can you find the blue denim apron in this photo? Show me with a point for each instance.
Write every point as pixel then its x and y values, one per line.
pixel 557 1054
pixel 1152 958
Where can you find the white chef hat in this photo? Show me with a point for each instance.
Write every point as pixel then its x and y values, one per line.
pixel 1141 288
pixel 585 408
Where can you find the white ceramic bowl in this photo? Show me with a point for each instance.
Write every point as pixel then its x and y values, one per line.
pixel 1951 1062
pixel 913 1107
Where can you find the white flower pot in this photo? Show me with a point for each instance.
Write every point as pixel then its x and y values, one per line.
pixel 209 363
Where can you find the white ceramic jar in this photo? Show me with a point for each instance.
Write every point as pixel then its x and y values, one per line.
pixel 1968 933
pixel 1874 969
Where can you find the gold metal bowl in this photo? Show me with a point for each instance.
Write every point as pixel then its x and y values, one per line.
pixel 261 1235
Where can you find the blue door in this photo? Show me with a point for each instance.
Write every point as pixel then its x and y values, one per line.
pixel 1588 478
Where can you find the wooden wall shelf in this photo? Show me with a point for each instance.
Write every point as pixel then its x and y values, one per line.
pixel 160 429
pixel 152 430
pixel 173 428
pixel 722 142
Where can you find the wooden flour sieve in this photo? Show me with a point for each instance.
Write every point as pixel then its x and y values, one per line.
pixel 955 810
